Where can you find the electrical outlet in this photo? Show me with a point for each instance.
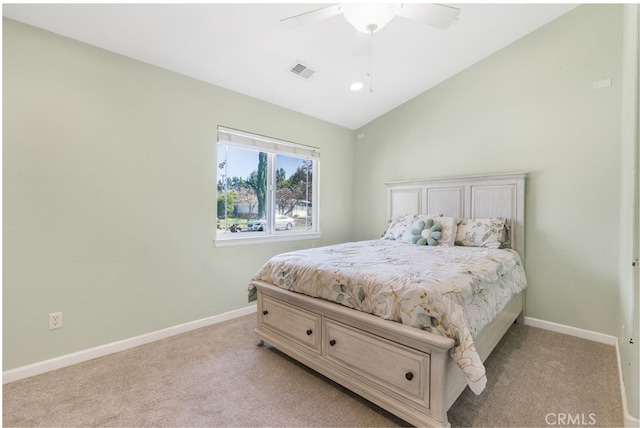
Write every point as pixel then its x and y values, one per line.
pixel 55 320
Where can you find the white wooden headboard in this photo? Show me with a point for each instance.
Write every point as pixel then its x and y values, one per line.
pixel 500 195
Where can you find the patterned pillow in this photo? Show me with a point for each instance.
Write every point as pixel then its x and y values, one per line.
pixel 483 232
pixel 449 228
pixel 397 226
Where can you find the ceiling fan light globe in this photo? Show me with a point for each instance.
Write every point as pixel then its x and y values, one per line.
pixel 369 18
pixel 356 86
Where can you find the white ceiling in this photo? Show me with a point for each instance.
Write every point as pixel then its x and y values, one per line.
pixel 243 47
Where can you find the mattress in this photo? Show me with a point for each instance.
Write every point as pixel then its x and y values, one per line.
pixel 452 291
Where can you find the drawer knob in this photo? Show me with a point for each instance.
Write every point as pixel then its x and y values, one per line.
pixel 409 375
pixel 309 332
pixel 265 312
pixel 332 342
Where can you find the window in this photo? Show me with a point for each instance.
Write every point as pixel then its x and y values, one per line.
pixel 266 189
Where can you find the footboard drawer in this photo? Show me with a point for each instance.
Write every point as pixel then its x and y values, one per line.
pixel 301 326
pixel 389 366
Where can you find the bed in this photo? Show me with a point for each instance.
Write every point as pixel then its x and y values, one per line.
pixel 406 326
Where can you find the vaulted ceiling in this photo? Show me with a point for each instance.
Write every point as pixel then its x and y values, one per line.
pixel 245 48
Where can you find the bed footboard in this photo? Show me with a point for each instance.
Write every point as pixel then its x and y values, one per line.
pixel 356 349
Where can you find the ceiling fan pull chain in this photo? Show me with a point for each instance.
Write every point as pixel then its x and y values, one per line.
pixel 370 71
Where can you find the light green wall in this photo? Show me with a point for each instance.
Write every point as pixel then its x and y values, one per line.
pixel 109 195
pixel 529 107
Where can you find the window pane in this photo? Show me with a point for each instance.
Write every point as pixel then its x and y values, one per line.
pixel 242 184
pixel 293 193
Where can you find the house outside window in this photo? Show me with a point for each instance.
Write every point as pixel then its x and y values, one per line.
pixel 267 189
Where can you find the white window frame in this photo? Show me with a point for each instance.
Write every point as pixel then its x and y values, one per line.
pixel 272 147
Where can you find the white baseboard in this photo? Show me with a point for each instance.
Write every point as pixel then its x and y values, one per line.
pixel 572 331
pixel 629 421
pixel 110 348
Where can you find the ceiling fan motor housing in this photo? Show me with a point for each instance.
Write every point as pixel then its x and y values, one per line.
pixel 369 18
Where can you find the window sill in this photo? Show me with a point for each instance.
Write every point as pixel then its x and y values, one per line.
pixel 230 242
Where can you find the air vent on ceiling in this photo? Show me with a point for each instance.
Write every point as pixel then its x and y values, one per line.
pixel 302 70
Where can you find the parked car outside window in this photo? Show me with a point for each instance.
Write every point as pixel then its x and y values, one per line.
pixel 282 223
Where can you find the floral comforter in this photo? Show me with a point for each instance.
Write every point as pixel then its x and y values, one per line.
pixel 452 291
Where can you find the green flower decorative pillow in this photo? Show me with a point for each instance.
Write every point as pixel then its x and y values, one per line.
pixel 426 232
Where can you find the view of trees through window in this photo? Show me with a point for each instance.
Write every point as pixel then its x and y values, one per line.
pixel 245 204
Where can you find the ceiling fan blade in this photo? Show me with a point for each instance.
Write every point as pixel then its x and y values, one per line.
pixel 436 15
pixel 362 45
pixel 310 17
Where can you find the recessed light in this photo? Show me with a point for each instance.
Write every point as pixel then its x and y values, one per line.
pixel 356 86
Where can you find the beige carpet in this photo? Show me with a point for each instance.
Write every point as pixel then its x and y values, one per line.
pixel 216 376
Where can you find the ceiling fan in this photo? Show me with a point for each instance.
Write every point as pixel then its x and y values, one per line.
pixel 370 18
